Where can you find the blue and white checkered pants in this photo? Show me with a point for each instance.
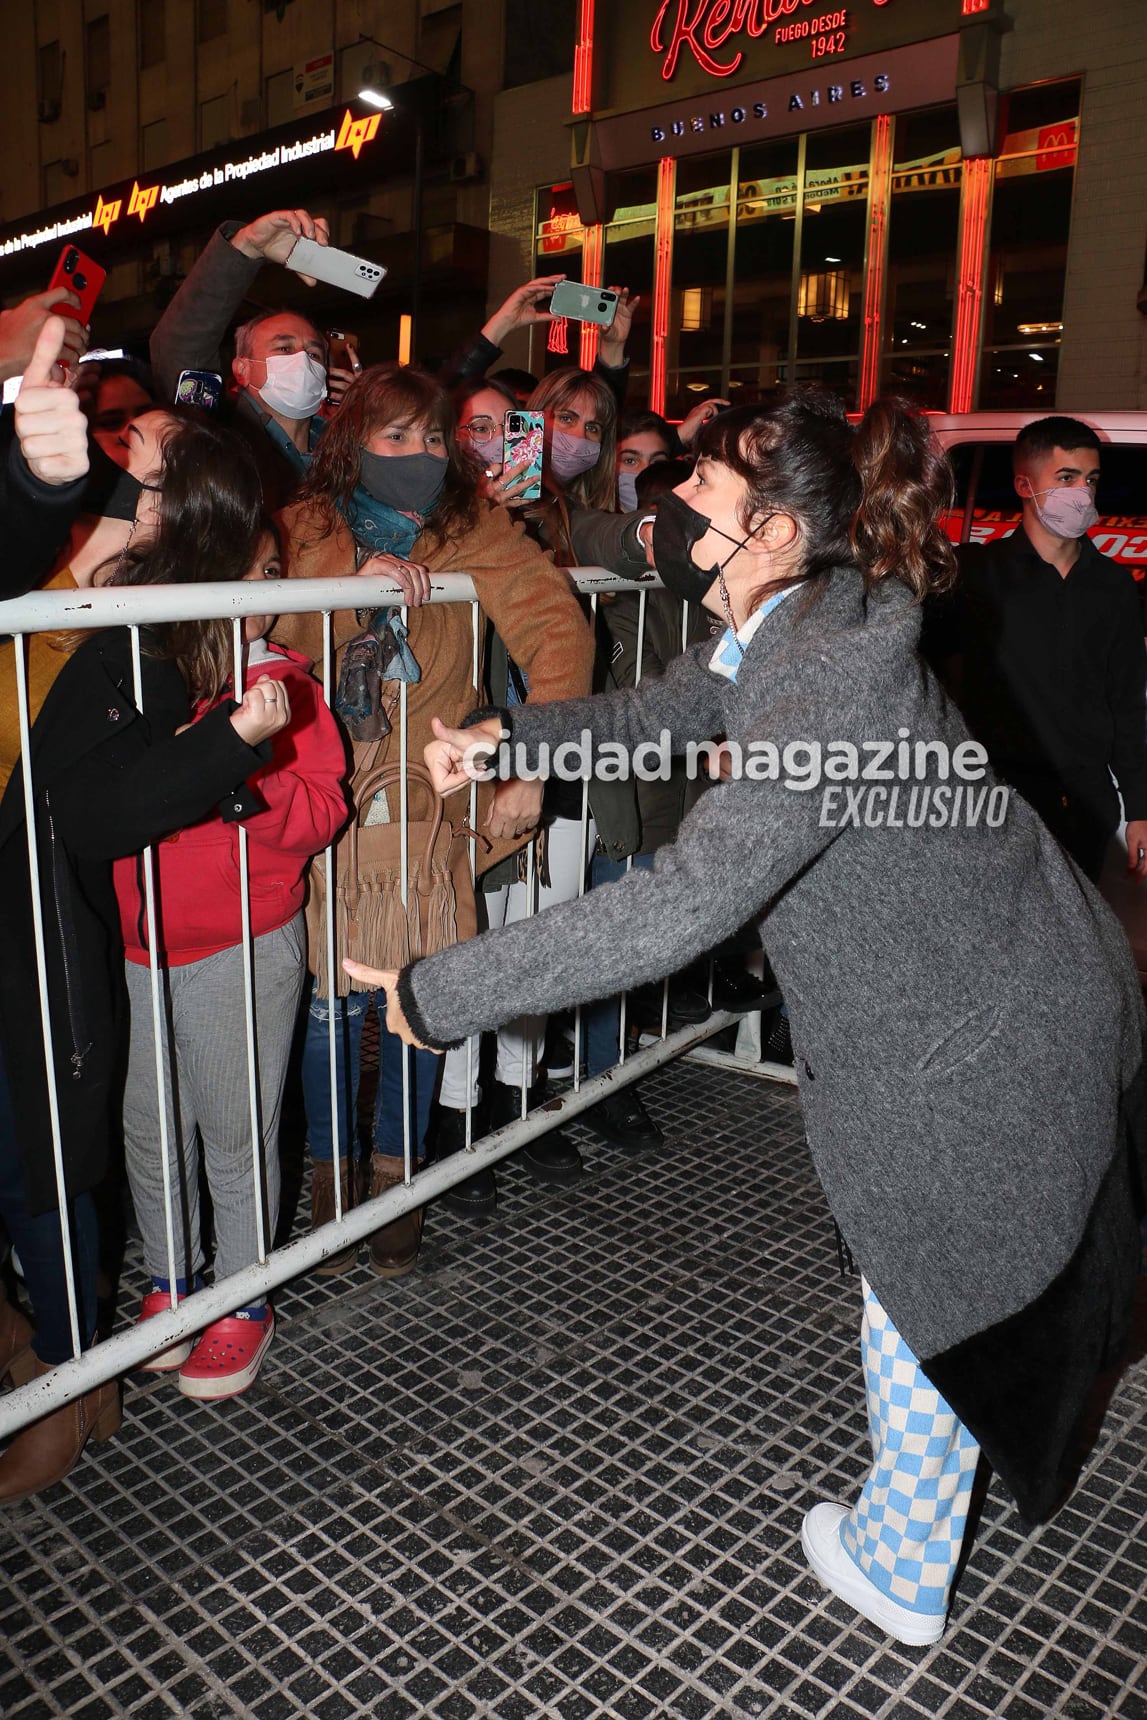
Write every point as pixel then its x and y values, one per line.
pixel 906 1529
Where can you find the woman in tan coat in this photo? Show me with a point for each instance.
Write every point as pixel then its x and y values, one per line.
pixel 394 439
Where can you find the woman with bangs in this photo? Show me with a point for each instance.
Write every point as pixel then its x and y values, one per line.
pixel 394 438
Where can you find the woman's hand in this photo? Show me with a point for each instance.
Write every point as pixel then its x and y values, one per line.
pixel 522 309
pixel 386 979
pixel 516 810
pixel 457 757
pixel 266 709
pixel 695 421
pixel 411 575
pixel 504 484
pixel 611 347
pixel 50 424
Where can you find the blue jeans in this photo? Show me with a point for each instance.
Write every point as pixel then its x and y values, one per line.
pixel 36 1239
pixel 350 1018
pixel 603 1020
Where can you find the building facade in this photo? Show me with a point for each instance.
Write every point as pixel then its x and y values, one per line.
pixel 132 127
pixel 946 197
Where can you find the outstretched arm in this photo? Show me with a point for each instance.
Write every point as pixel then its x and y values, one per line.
pixel 686 700
pixel 740 846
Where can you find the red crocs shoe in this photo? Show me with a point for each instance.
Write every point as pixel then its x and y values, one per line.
pixel 158 1302
pixel 227 1357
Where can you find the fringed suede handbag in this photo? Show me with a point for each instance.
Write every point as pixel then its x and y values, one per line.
pixel 372 923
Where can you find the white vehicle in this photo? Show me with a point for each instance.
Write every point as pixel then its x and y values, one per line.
pixel 987 507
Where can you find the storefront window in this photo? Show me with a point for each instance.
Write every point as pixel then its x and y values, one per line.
pixel 1031 218
pixel 700 271
pixel 628 262
pixel 762 294
pixel 923 234
pixel 830 288
pixel 558 236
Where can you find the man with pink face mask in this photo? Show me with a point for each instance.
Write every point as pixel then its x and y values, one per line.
pixel 1044 653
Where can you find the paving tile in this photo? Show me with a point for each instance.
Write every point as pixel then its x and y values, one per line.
pixel 559 1472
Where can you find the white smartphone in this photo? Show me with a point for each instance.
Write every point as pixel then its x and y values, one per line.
pixel 337 268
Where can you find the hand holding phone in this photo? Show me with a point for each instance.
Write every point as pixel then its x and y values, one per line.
pixel 199 388
pixel 79 275
pixel 584 304
pixel 338 268
pixel 524 437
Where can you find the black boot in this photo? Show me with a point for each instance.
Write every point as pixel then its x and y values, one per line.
pixel 477 1197
pixel 551 1159
pixel 622 1120
pixel 735 988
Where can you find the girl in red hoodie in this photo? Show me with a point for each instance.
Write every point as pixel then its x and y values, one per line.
pixel 290 809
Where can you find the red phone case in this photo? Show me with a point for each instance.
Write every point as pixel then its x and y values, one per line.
pixel 92 276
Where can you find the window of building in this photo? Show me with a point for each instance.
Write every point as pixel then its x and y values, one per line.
pixel 628 261
pixel 215 121
pixel 97 62
pixel 558 238
pixel 766 200
pixel 1027 262
pixel 539 37
pixel 59 182
pixel 923 233
pixel 212 20
pixel 51 72
pixel 152 33
pixel 153 145
pixel 701 270
pixel 830 286
pixel 280 97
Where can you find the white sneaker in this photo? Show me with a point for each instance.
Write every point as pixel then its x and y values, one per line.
pixel 824 1550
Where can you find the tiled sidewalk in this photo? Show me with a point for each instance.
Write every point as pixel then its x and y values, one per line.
pixel 560 1471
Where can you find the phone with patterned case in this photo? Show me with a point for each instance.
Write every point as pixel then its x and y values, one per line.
pixel 524 438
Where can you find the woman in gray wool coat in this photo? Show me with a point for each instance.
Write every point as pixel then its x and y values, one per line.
pixel 965 1013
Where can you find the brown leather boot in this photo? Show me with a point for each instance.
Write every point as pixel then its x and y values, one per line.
pixel 17 1361
pixel 323 1209
pixel 42 1454
pixel 393 1250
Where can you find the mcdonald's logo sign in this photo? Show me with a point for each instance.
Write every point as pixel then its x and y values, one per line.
pixel 353 133
pixel 142 202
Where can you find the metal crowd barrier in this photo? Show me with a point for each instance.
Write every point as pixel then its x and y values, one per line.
pixel 137 607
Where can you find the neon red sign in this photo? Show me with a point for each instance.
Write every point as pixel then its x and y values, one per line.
pixel 705 26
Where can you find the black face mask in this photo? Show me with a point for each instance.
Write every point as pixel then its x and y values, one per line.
pixel 676 528
pixel 123 500
pixel 412 483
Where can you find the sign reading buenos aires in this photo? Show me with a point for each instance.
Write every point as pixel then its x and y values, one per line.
pixel 192 179
pixel 711 27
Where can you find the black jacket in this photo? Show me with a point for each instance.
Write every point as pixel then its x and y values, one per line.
pixel 107 780
pixel 35 518
pixel 1050 675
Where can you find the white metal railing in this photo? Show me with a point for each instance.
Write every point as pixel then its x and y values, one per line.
pixel 137 607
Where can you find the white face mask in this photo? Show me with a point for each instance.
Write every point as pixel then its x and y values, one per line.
pixel 627 491
pixel 296 384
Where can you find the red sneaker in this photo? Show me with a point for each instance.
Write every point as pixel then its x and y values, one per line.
pixel 158 1302
pixel 227 1357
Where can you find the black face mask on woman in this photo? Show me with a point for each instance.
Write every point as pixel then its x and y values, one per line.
pixel 676 528
pixel 412 483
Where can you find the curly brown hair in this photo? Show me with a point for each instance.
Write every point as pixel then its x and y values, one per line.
pixel 875 495
pixel 390 394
